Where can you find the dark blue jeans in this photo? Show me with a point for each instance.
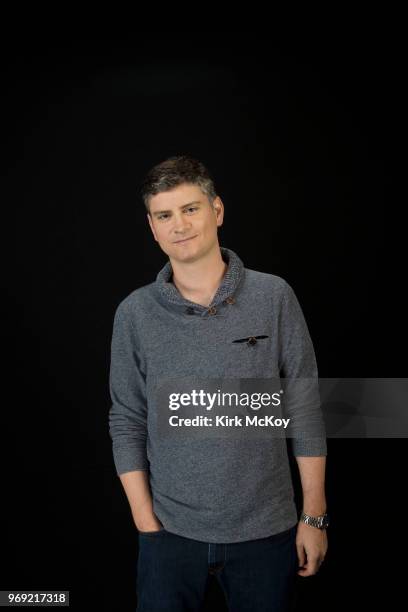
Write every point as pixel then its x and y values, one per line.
pixel 255 576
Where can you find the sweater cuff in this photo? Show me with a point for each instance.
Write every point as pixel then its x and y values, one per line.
pixel 129 459
pixel 309 447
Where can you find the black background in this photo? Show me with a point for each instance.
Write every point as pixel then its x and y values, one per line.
pixel 303 139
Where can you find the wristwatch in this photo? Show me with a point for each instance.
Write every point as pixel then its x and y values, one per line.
pixel 321 522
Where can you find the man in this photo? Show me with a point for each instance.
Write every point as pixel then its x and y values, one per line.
pixel 204 504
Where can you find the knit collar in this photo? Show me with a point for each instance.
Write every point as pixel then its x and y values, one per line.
pixel 229 283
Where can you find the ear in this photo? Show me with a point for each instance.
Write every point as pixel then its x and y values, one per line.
pixel 219 210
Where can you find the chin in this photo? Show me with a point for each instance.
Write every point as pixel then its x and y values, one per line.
pixel 187 254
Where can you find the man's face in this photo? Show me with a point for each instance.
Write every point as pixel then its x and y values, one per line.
pixel 184 222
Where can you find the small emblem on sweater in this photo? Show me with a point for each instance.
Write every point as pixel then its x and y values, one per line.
pixel 251 340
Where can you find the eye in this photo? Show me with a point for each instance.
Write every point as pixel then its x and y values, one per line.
pixel 192 208
pixel 162 216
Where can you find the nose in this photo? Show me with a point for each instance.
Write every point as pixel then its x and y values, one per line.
pixel 181 224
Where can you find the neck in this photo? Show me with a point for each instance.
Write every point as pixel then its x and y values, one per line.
pixel 199 280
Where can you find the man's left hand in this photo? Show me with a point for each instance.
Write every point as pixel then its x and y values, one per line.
pixel 311 545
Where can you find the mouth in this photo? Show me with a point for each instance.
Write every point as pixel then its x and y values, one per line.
pixel 185 240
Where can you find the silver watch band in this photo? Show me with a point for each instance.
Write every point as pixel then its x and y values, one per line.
pixel 320 522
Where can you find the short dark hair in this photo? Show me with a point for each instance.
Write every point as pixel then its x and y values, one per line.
pixel 175 171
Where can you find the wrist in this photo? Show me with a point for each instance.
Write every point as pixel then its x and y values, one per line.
pixel 147 521
pixel 143 514
pixel 314 509
pixel 320 521
pixel 314 503
pixel 153 524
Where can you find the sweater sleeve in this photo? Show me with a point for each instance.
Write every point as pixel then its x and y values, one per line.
pixel 127 385
pixel 298 363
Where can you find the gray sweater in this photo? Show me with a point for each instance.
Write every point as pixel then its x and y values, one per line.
pixel 213 489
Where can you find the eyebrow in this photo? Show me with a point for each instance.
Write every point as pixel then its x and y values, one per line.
pixel 159 212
